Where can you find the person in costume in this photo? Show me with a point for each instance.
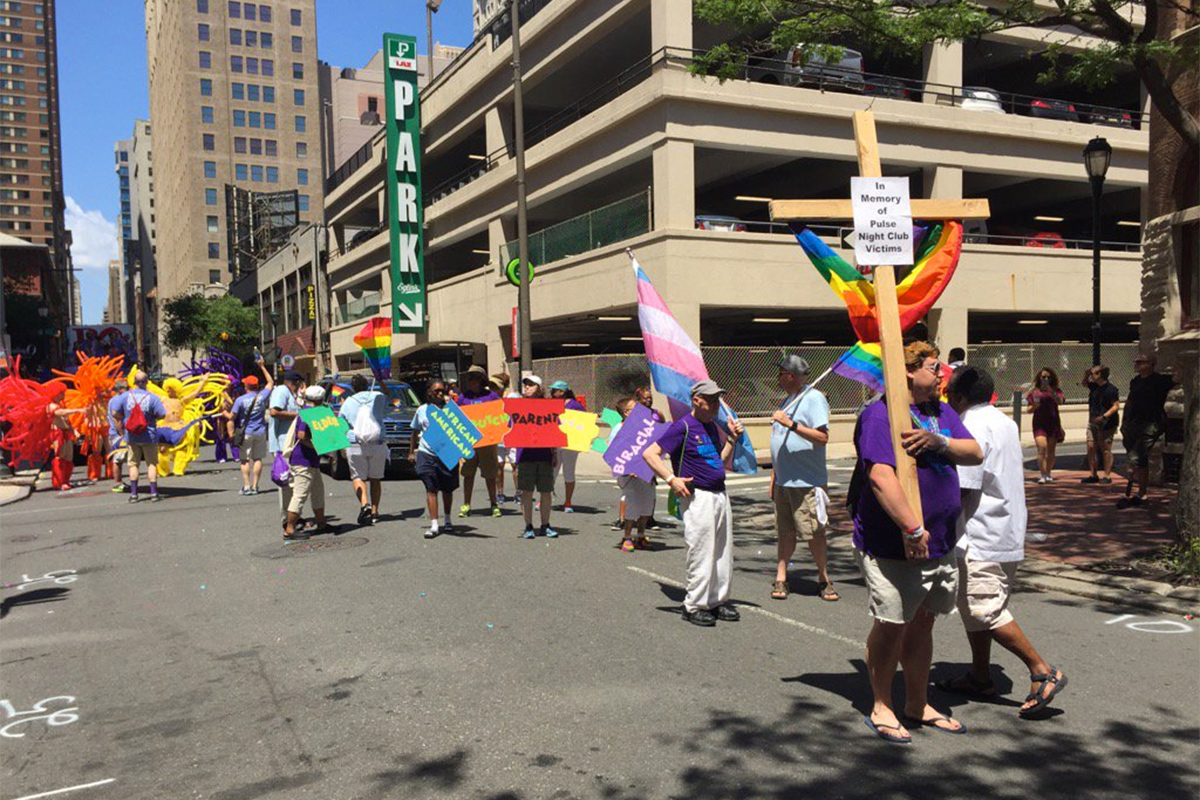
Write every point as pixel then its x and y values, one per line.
pixel 39 425
pixel 188 404
pixel 89 389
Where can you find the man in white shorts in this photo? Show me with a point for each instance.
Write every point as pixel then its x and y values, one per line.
pixel 991 544
pixel 368 452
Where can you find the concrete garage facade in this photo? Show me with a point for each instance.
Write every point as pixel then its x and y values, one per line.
pixel 615 116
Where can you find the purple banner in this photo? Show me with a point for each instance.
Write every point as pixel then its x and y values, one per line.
pixel 639 431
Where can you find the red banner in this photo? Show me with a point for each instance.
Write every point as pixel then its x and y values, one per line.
pixel 534 422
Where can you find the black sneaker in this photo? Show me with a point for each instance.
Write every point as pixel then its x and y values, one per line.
pixel 727 613
pixel 617 525
pixel 1106 480
pixel 1089 479
pixel 702 617
pixel 364 515
pixel 133 498
pixel 652 525
pixel 154 498
pixel 1136 501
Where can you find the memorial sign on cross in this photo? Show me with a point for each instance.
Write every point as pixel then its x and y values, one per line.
pixel 891 341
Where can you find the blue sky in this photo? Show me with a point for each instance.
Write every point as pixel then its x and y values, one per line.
pixel 102 80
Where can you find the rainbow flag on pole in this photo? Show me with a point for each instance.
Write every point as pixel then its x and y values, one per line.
pixel 676 363
pixel 375 339
pixel 862 363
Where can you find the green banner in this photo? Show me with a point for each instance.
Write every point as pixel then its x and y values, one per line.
pixel 404 184
pixel 328 430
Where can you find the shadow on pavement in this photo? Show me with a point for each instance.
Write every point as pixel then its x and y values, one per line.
pixel 33 597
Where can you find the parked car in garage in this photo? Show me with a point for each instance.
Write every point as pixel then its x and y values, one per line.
pixel 714 222
pixel 1113 117
pixel 397 423
pixel 1053 109
pixel 886 86
pixel 790 69
pixel 981 98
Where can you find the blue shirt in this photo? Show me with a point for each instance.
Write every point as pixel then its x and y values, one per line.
pixel 420 424
pixel 798 462
pixel 283 400
pixel 152 408
pixel 114 414
pixel 251 409
pixel 376 401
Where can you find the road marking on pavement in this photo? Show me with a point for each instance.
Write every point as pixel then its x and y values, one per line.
pixel 63 716
pixel 1152 626
pixel 762 611
pixel 67 789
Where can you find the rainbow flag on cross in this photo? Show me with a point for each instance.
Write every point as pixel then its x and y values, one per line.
pixel 676 363
pixel 375 339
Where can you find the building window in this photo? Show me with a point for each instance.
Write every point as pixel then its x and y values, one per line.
pixel 301 150
pixel 269 121
pixel 297 44
pixel 239 144
pixel 295 14
pixel 213 224
pixel 235 63
pixel 214 276
pixel 268 67
pixel 255 119
pixel 264 13
pixel 268 94
pixel 252 92
pixel 256 147
pixel 235 36
pixel 272 174
pixel 251 38
pixel 206 114
pixel 252 66
pixel 267 39
pixel 301 123
pixel 210 169
pixel 256 173
pixel 239 118
pixel 210 142
pixel 202 32
pixel 238 91
pixel 214 250
pixel 297 71
pixel 201 6
pixel 235 9
pixel 271 147
pixel 248 10
pixel 206 87
pixel 298 96
pixel 205 59
pixel 210 197
pixel 302 177
pixel 302 202
pixel 241 172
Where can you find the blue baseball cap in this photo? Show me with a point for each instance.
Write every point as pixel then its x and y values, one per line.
pixel 560 385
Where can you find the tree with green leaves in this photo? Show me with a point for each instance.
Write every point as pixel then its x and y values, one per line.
pixel 906 27
pixel 194 322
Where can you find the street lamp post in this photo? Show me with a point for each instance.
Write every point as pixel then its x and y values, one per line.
pixel 1096 158
pixel 524 316
pixel 431 7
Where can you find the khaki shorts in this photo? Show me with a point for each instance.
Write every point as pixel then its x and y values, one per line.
pixel 143 451
pixel 485 461
pixel 796 512
pixel 983 591
pixel 254 448
pixel 899 588
pixel 306 483
pixel 1096 433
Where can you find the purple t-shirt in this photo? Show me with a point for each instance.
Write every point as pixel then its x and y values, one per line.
pixel 695 451
pixel 305 455
pixel 465 399
pixel 874 531
pixel 573 405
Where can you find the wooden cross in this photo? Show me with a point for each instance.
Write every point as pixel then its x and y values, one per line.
pixel 887 310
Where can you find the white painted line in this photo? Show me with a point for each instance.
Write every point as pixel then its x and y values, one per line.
pixel 68 789
pixel 755 610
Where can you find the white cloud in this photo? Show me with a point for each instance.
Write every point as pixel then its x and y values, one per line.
pixel 94 240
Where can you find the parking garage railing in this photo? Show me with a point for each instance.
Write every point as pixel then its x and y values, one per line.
pixel 600 227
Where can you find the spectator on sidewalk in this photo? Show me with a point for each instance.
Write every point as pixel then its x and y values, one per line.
pixel 307 484
pixel 485 460
pixel 1145 416
pixel 248 429
pixel 282 409
pixel 567 459
pixel 991 545
pixel 799 433
pixel 1044 399
pixel 368 452
pixel 1104 407
pixel 143 445
pixel 696 473
pixel 435 475
pixel 908 562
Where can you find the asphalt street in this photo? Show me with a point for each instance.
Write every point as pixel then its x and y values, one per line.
pixel 181 650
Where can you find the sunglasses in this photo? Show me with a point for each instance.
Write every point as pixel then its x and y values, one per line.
pixel 935 368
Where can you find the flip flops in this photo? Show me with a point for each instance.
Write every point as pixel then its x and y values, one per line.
pixel 913 722
pixel 1058 684
pixel 828 593
pixel 881 732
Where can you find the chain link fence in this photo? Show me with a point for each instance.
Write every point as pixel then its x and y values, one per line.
pixel 607 225
pixel 601 379
pixel 1013 366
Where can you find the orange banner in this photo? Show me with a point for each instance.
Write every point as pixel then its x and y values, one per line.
pixel 490 419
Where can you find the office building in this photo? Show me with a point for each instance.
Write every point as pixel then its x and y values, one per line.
pixel 31 186
pixel 234 101
pixel 114 309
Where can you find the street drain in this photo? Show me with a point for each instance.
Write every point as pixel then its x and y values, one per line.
pixel 309 546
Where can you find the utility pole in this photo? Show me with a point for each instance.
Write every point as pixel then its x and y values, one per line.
pixel 431 7
pixel 524 325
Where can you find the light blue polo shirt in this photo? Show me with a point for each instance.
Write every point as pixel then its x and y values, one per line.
pixel 799 462
pixel 277 431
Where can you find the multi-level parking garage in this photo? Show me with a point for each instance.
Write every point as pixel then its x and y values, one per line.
pixel 628 147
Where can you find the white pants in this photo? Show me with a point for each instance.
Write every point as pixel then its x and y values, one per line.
pixel 708 532
pixel 566 464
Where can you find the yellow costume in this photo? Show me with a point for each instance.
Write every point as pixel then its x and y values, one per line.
pixel 189 404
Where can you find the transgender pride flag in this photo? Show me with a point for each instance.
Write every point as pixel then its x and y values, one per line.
pixel 676 363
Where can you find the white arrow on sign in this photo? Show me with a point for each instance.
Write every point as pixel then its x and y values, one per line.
pixel 411 316
pixel 849 240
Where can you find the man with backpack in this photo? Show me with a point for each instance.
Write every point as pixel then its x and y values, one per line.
pixel 138 417
pixel 248 421
pixel 368 452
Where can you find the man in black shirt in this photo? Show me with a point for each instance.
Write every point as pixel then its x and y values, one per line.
pixel 1143 423
pixel 1104 405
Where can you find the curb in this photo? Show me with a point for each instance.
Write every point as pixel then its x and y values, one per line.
pixel 1052 576
pixel 14 493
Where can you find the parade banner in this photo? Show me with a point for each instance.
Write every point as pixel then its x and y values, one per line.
pixel 451 434
pixel 535 422
pixel 580 428
pixel 624 453
pixel 328 430
pixel 612 419
pixel 491 421
pixel 405 209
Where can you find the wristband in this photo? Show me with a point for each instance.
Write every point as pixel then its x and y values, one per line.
pixel 671 477
pixel 943 443
pixel 915 534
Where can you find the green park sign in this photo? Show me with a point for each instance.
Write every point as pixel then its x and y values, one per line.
pixel 404 184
